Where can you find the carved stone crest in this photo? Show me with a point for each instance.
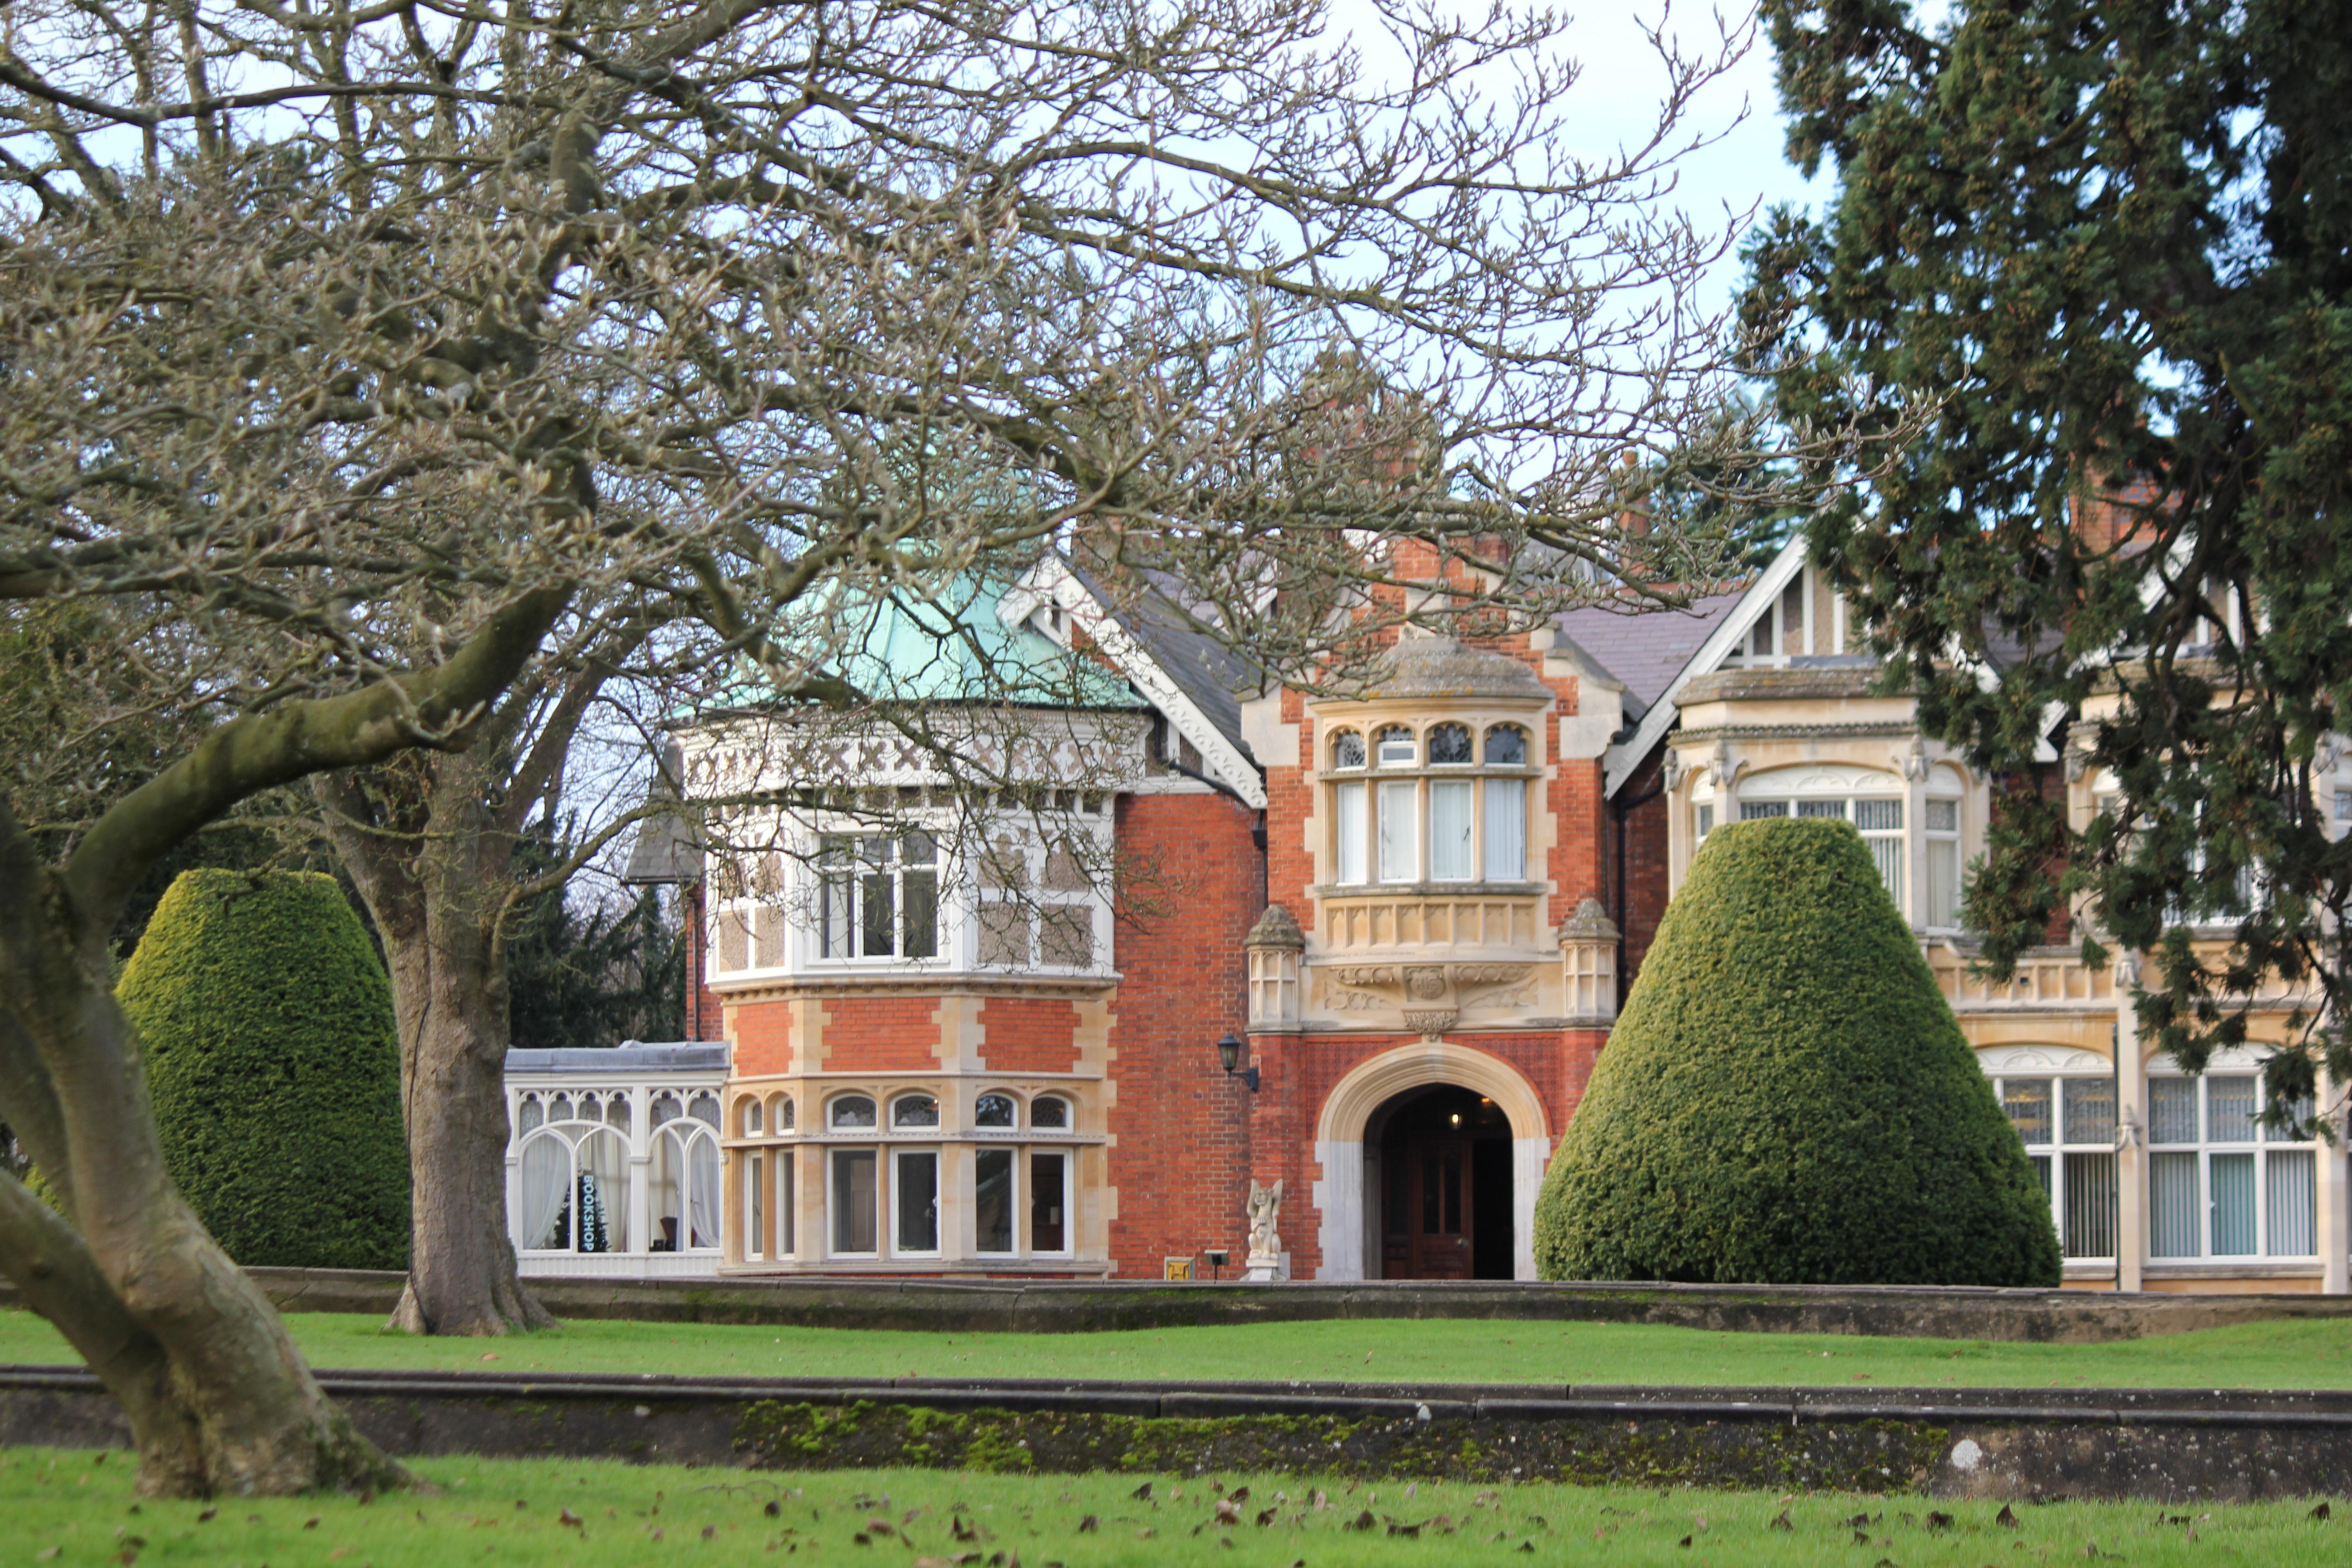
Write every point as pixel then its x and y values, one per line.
pixel 1265 1241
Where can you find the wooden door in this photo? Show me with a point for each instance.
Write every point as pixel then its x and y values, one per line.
pixel 1438 1216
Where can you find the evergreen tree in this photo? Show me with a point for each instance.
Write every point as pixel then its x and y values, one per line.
pixel 2082 304
pixel 1788 1098
pixel 266 1022
pixel 591 973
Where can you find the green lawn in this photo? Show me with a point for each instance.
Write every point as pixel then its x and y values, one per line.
pixel 2292 1354
pixel 75 1509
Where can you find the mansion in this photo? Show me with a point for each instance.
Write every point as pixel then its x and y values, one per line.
pixel 1390 936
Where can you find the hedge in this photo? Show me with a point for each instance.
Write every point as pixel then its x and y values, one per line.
pixel 1788 1098
pixel 266 1023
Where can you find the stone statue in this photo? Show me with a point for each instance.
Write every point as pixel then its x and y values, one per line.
pixel 1264 1244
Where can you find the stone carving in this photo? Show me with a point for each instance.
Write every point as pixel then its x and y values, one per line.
pixel 1265 1260
pixel 1425 983
pixel 1432 1021
pixel 1365 975
pixel 1590 923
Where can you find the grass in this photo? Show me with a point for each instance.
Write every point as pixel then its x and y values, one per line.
pixel 2310 1353
pixel 72 1509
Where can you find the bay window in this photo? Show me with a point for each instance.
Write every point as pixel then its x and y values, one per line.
pixel 891 1198
pixel 1436 826
pixel 2220 1187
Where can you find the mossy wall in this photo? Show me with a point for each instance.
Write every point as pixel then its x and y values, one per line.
pixel 267 1023
pixel 1788 1098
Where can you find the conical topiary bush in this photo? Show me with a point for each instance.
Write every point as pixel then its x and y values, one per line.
pixel 267 1023
pixel 1788 1098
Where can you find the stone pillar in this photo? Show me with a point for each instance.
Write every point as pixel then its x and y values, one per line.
pixel 1587 958
pixel 2131 1131
pixel 1275 945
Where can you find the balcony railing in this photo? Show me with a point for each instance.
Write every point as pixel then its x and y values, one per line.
pixel 2054 982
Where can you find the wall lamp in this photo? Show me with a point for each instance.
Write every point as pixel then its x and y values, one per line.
pixel 1229 1052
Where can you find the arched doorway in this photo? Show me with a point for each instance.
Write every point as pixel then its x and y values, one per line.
pixel 1389 1093
pixel 1440 1189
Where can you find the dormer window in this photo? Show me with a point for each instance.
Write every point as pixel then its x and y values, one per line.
pixel 1396 747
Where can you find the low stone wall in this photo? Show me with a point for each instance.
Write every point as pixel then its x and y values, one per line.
pixel 2071 1317
pixel 2169 1446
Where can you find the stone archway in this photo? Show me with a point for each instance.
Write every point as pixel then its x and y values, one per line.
pixel 1340 1198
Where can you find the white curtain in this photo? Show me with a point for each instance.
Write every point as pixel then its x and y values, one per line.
pixel 604 1157
pixel 1351 833
pixel 1507 830
pixel 546 1188
pixel 1451 848
pixel 1398 807
pixel 702 1193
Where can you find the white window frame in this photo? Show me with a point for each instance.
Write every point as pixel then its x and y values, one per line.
pixel 834 1156
pixel 2050 1154
pixel 2264 1144
pixel 1027 1211
pixel 1016 1187
pixel 841 876
pixel 1787 792
pixel 1031 840
pixel 900 1155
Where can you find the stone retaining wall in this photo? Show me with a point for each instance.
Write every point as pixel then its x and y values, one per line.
pixel 2169 1446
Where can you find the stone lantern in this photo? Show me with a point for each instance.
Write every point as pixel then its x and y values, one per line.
pixel 1274 945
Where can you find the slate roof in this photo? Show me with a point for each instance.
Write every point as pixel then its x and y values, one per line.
pixel 668 848
pixel 1648 649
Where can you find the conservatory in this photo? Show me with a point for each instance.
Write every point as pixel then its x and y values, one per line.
pixel 613 1163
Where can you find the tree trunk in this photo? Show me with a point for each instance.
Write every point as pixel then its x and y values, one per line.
pixel 450 994
pixel 219 1398
pixel 432 864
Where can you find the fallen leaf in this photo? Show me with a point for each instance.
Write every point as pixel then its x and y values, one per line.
pixel 311 1523
pixel 1228 1512
pixel 2005 1518
pixel 491 1355
pixel 709 1531
pixel 1239 1494
pixel 1088 1525
pixel 1266 1517
pixel 1363 1520
pixel 1781 1521
pixel 2320 1512
pixel 1143 1493
pixel 565 1516
pixel 1939 1520
pixel 212 1513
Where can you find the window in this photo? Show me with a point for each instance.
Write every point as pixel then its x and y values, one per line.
pixel 576 1189
pixel 786 1211
pixel 880 897
pixel 753 1119
pixel 994 1110
pixel 684 1184
pixel 1449 745
pixel 1453 827
pixel 1943 833
pixel 784 1115
pixel 1432 828
pixel 914 1110
pixel 1398 858
pixel 1349 825
pixel 1049 1112
pixel 1048 1201
pixel 1036 902
pixel 2068 1128
pixel 853 1201
pixel 2220 1185
pixel 915 1185
pixel 755 1206
pixel 1870 801
pixel 853 1110
pixel 1706 819
pixel 993 1200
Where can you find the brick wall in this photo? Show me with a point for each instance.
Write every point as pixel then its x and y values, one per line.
pixel 1181 1162
pixel 1030 1033
pixel 1642 900
pixel 1290 804
pixel 762 1037
pixel 882 1034
pixel 1299 1072
pixel 703 1018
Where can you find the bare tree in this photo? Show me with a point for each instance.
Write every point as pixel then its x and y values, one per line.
pixel 373 364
